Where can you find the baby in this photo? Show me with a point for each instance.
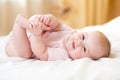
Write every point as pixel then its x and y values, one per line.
pixel 44 37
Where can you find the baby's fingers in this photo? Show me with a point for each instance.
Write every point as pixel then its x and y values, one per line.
pixel 45 19
pixel 42 18
pixel 45 28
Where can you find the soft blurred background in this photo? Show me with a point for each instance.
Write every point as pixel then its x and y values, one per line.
pixel 75 13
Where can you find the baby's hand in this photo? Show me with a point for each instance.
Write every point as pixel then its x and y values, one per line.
pixel 50 21
pixel 42 23
pixel 36 28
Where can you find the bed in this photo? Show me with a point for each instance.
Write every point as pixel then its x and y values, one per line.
pixel 15 68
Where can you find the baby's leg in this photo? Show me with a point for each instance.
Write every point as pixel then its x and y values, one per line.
pixel 19 44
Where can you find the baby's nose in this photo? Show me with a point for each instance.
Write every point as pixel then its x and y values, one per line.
pixel 73 32
pixel 80 43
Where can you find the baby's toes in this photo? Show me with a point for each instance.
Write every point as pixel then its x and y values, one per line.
pixel 21 21
pixel 33 25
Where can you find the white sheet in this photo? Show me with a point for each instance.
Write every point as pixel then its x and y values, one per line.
pixel 15 68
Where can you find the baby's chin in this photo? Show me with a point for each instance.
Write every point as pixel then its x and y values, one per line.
pixel 65 43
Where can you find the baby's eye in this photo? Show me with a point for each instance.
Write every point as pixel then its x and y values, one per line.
pixel 84 48
pixel 83 37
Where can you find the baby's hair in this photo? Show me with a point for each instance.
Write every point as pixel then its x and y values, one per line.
pixel 105 43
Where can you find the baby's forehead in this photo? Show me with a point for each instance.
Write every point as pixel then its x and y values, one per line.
pixel 79 30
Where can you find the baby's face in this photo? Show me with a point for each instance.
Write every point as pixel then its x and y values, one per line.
pixel 84 44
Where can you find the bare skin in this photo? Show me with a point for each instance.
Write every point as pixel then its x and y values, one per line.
pixel 19 44
pixel 78 45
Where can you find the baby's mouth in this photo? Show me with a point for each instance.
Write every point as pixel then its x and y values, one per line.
pixel 73 45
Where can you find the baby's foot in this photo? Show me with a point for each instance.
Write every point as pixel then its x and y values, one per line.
pixel 22 22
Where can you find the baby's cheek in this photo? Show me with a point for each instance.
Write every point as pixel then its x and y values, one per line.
pixel 79 53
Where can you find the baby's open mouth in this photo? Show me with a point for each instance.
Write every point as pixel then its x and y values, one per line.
pixel 73 45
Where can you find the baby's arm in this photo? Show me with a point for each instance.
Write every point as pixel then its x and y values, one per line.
pixel 38 47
